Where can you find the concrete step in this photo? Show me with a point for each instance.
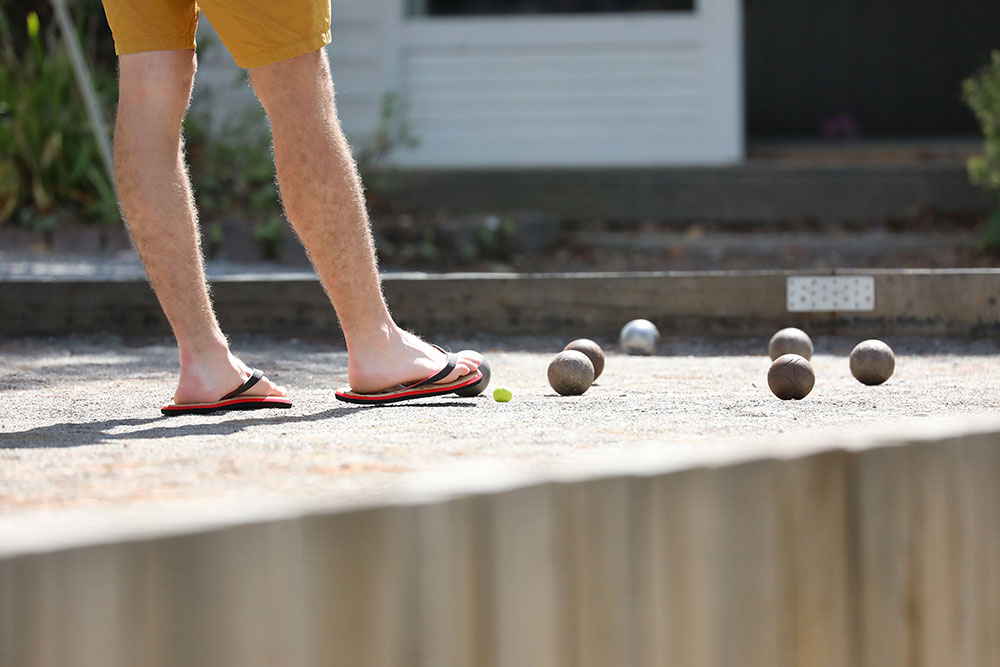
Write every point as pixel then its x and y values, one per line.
pixel 696 249
pixel 755 191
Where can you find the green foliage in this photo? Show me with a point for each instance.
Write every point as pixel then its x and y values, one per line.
pixel 232 168
pixel 232 173
pixel 392 133
pixel 49 158
pixel 981 92
pixel 270 235
pixel 215 235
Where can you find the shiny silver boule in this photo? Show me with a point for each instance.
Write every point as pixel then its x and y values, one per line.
pixel 639 337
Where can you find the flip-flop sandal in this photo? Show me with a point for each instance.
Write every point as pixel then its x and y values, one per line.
pixel 231 401
pixel 421 389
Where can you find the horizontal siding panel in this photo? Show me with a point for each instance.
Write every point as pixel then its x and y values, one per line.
pixel 535 90
pixel 596 95
pixel 530 30
pixel 358 116
pixel 650 78
pixel 352 10
pixel 358 51
pixel 509 151
pixel 357 42
pixel 472 67
pixel 551 91
pixel 526 89
pixel 608 111
pixel 356 78
pixel 543 129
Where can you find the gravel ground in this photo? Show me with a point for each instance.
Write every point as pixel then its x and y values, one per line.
pixel 80 427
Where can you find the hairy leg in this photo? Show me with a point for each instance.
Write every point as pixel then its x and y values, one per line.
pixel 154 90
pixel 324 201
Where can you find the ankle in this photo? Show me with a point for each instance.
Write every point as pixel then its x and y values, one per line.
pixel 381 335
pixel 195 351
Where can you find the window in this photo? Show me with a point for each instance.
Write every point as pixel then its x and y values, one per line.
pixel 485 7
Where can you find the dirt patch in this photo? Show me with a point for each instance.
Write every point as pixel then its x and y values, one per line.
pixel 80 424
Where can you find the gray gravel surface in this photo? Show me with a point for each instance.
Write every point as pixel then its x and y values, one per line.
pixel 80 426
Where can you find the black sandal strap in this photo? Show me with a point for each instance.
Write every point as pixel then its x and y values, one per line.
pixel 254 378
pixel 449 366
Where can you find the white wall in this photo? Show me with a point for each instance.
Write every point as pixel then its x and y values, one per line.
pixel 358 60
pixel 539 91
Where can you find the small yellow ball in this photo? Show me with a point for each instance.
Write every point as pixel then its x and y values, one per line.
pixel 501 395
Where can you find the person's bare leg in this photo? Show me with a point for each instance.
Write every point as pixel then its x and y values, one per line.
pixel 323 199
pixel 154 89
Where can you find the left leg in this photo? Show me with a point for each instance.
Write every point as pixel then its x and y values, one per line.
pixel 156 199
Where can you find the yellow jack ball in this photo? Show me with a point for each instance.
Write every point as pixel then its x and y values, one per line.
pixel 501 395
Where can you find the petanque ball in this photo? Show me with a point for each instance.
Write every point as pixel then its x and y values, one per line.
pixel 593 352
pixel 872 362
pixel 790 341
pixel 791 376
pixel 479 387
pixel 639 337
pixel 571 373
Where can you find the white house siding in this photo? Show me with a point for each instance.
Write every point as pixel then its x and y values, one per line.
pixel 582 90
pixel 542 91
pixel 359 59
pixel 360 56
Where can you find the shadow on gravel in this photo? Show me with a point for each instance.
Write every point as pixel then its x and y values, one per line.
pixel 424 404
pixel 82 434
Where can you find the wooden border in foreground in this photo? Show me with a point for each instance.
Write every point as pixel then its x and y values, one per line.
pixel 849 553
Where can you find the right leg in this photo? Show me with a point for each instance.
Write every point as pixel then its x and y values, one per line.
pixel 154 90
pixel 322 196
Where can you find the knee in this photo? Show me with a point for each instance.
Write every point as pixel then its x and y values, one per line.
pixel 156 84
pixel 297 84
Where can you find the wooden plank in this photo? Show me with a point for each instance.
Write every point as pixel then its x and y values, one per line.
pixel 676 561
pixel 601 581
pixel 957 533
pixel 748 625
pixel 936 547
pixel 881 531
pixel 929 303
pixel 814 560
pixel 531 569
pixel 961 302
pixel 881 557
pixel 454 615
pixel 362 589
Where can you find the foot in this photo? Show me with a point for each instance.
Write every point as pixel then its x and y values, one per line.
pixel 396 357
pixel 210 377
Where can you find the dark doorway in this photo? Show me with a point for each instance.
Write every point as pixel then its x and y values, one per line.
pixel 843 69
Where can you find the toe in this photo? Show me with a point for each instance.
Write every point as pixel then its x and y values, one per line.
pixel 468 363
pixel 274 389
pixel 465 365
pixel 471 357
pixel 460 370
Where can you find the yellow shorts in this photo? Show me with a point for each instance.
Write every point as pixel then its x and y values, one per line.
pixel 256 32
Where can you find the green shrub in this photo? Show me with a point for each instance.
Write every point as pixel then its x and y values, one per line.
pixel 981 92
pixel 232 173
pixel 232 168
pixel 270 237
pixel 392 133
pixel 49 158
